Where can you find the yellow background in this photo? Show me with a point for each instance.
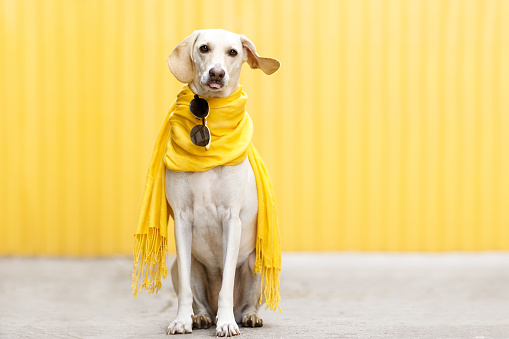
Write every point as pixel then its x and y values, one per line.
pixel 387 127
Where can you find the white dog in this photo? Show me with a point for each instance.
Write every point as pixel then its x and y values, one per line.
pixel 215 211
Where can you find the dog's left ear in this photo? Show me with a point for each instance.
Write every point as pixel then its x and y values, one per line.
pixel 180 61
pixel 267 65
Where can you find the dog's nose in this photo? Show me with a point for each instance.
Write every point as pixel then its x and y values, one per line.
pixel 216 74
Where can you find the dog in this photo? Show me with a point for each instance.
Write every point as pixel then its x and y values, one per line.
pixel 215 211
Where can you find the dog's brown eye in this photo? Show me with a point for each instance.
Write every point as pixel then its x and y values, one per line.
pixel 204 49
pixel 233 52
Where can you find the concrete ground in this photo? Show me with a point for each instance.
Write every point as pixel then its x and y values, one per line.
pixel 323 296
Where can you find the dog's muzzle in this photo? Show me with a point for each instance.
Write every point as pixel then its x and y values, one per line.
pixel 216 76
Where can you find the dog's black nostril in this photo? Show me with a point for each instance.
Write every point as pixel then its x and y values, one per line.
pixel 216 74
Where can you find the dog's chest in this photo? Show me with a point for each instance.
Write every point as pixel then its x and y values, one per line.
pixel 208 199
pixel 207 215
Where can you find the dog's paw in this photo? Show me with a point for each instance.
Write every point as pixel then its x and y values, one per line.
pixel 227 328
pixel 201 321
pixel 252 320
pixel 180 326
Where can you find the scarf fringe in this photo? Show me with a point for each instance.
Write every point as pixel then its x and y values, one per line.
pixel 269 288
pixel 150 261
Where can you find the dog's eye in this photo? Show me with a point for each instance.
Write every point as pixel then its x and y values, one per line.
pixel 204 49
pixel 233 52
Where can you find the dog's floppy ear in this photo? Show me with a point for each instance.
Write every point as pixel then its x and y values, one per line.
pixel 267 65
pixel 181 61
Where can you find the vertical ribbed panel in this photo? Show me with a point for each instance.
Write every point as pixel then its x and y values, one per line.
pixel 387 127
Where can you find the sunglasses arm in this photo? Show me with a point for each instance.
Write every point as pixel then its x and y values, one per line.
pixel 208 145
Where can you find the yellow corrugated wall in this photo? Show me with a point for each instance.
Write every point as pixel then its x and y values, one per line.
pixel 387 127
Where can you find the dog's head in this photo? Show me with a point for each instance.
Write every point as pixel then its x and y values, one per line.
pixel 210 61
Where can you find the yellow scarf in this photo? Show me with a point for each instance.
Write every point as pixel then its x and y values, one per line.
pixel 231 129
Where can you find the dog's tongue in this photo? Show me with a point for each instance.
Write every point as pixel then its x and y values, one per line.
pixel 214 85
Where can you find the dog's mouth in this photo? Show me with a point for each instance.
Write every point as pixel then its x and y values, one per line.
pixel 215 85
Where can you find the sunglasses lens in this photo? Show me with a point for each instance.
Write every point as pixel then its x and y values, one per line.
pixel 199 107
pixel 200 135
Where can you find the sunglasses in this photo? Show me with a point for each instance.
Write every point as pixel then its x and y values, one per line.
pixel 200 134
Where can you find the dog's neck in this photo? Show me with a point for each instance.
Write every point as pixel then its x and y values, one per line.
pixel 205 92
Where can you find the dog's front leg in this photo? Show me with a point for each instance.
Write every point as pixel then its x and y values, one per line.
pixel 226 325
pixel 183 323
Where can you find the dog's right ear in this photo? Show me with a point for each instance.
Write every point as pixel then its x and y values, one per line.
pixel 181 59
